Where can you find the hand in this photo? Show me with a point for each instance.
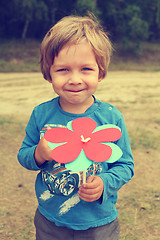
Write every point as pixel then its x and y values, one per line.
pixel 92 189
pixel 42 152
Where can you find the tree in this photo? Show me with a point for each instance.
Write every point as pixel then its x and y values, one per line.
pixel 30 11
pixel 134 29
pixel 83 6
pixel 125 23
pixel 129 22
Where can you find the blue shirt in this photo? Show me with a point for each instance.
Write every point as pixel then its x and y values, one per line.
pixel 57 188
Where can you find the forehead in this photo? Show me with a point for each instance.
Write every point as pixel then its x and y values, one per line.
pixel 79 50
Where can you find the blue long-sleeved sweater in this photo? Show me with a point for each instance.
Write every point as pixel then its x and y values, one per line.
pixel 56 187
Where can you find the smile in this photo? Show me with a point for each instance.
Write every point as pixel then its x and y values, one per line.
pixel 75 91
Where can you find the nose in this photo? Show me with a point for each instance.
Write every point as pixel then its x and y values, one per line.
pixel 75 78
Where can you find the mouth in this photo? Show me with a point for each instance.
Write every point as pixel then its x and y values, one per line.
pixel 75 91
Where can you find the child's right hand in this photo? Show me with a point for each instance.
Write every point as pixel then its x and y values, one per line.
pixel 42 152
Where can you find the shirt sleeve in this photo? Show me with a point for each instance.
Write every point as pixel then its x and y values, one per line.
pixel 26 153
pixel 121 171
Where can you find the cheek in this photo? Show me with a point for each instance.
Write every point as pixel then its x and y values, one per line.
pixel 57 83
pixel 56 86
pixel 93 84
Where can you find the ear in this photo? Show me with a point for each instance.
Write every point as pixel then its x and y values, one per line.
pixel 99 79
pixel 49 80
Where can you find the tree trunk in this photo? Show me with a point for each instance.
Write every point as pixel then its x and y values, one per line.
pixel 25 29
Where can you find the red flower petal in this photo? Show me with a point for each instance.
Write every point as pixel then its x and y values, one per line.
pixel 67 152
pixel 59 135
pixel 107 135
pixel 83 126
pixel 97 152
pixel 82 137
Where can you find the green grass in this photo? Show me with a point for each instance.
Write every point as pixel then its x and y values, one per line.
pixel 148 60
pixel 157 121
pixel 140 138
pixel 19 56
pixel 4 121
pixel 23 56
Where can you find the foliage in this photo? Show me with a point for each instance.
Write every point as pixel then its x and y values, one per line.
pixel 129 22
pixel 84 6
pixel 126 23
pixel 134 29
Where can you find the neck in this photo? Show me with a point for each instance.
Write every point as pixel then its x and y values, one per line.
pixel 76 108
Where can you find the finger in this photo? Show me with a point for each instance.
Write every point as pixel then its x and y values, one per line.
pixel 87 198
pixel 91 182
pixel 87 191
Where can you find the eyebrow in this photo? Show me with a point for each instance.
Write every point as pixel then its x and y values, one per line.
pixel 66 65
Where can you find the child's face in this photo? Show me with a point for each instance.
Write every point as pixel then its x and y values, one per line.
pixel 75 77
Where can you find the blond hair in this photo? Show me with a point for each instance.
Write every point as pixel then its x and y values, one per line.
pixel 72 30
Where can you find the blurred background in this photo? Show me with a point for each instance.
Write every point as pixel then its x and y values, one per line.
pixel 133 25
pixel 132 85
pixel 127 21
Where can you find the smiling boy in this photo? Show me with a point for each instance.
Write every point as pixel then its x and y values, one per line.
pixel 75 77
pixel 75 54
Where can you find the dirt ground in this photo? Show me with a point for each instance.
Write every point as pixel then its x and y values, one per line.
pixel 137 96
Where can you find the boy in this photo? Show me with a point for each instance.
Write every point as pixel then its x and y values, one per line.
pixel 75 54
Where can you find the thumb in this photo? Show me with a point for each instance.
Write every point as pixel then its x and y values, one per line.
pixel 88 182
pixel 90 179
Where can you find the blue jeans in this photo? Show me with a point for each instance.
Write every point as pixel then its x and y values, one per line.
pixel 46 230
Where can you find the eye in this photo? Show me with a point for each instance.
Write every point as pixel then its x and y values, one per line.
pixel 87 69
pixel 62 70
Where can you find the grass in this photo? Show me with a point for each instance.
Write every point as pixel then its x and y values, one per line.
pixel 138 204
pixel 4 121
pixel 19 56
pixel 17 199
pixel 148 60
pixel 140 138
pixel 23 56
pixel 133 211
pixel 135 94
pixel 139 200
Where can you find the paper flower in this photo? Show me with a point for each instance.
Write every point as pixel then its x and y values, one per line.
pixel 83 139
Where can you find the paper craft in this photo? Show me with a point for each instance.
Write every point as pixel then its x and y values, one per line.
pixel 81 143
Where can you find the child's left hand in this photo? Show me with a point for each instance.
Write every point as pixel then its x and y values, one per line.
pixel 92 189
